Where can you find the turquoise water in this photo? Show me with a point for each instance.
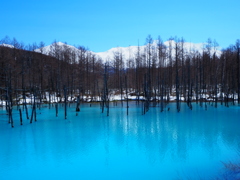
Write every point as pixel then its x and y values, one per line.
pixel 168 145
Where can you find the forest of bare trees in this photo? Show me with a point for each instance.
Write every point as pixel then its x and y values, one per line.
pixel 154 75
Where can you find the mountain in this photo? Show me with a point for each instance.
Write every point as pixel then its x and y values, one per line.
pixel 131 51
pixel 47 50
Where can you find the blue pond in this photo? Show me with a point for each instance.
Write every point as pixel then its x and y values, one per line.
pixel 158 145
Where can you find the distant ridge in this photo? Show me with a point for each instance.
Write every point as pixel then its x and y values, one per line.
pixel 132 51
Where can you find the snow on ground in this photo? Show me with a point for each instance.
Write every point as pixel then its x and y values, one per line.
pixel 52 98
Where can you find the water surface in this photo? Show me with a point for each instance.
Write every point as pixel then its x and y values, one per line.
pixel 157 145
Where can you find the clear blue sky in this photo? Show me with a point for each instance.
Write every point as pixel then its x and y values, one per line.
pixel 103 24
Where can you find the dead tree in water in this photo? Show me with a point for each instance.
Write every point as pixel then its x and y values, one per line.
pixel 237 47
pixel 20 114
pixel 49 102
pixel 197 79
pixel 78 104
pixel 65 102
pixel 177 77
pixel 161 71
pixel 146 94
pixel 34 107
pixel 162 93
pixel 9 105
pixel 121 91
pixel 25 103
pixel 137 71
pixel 189 94
pixel 9 102
pixel 105 99
pixel 56 107
pixel 216 66
pixel 126 93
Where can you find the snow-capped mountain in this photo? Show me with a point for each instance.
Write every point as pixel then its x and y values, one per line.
pixel 131 52
pixel 48 50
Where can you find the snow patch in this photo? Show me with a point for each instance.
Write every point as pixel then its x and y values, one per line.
pixel 7 45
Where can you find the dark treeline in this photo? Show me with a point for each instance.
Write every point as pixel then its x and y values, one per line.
pixel 25 70
pixel 155 74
